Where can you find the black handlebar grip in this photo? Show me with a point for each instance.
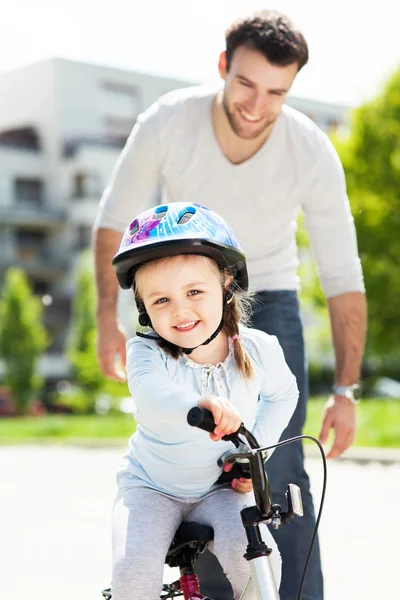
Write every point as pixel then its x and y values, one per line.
pixel 201 418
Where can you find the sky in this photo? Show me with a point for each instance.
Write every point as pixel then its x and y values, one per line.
pixel 354 45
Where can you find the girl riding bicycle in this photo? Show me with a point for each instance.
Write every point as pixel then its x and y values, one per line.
pixel 189 277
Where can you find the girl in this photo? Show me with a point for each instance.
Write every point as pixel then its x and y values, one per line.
pixel 188 273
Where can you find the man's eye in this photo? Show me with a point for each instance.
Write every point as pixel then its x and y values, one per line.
pixel 161 301
pixel 194 292
pixel 245 83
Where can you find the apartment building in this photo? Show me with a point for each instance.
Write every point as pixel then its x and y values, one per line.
pixel 62 126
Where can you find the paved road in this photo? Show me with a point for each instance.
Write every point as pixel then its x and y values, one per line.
pixel 55 524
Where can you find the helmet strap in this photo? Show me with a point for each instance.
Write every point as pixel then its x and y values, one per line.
pixel 228 295
pixel 144 321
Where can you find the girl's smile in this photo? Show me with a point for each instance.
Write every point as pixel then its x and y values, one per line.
pixel 184 327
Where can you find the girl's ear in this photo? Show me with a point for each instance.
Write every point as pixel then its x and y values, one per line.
pixel 144 319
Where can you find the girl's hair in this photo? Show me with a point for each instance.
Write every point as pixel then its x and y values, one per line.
pixel 237 312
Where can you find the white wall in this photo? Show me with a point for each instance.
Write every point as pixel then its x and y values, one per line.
pixel 18 163
pixel 85 97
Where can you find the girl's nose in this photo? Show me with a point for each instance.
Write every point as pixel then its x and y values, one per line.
pixel 180 309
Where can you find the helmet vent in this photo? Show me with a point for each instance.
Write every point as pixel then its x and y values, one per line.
pixel 160 212
pixel 134 228
pixel 186 216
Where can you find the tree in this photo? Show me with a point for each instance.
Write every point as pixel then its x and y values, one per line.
pixel 371 159
pixel 23 338
pixel 82 342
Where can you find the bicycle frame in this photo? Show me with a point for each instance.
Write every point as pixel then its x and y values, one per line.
pixel 262 585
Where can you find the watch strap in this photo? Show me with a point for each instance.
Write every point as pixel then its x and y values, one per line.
pixel 347 391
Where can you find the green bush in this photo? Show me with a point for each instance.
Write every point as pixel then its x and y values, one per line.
pixel 23 339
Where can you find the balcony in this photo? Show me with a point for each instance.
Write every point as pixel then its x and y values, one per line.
pixel 37 263
pixel 24 138
pixel 33 215
pixel 83 210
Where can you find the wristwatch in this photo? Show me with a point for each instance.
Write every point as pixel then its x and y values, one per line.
pixel 351 392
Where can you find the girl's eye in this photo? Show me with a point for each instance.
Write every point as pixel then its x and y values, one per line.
pixel 194 292
pixel 161 301
pixel 245 83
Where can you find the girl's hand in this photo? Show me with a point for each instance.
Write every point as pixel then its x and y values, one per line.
pixel 226 417
pixel 242 485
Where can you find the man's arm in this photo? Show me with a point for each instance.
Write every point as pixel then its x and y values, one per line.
pixel 111 340
pixel 333 238
pixel 132 188
pixel 348 316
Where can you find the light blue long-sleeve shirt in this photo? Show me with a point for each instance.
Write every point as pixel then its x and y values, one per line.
pixel 165 453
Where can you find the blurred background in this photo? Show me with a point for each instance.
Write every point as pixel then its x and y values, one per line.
pixel 74 76
pixel 73 79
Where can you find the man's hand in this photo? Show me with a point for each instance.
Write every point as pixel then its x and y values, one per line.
pixel 111 343
pixel 340 415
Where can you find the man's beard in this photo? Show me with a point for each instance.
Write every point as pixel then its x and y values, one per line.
pixel 235 129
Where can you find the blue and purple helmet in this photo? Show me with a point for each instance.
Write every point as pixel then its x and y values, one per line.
pixel 179 228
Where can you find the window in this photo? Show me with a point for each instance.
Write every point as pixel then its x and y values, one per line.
pixel 30 238
pixel 26 138
pixel 40 288
pixel 29 244
pixel 120 105
pixel 118 130
pixel 85 185
pixel 29 191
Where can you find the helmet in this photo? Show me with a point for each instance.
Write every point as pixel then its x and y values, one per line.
pixel 179 228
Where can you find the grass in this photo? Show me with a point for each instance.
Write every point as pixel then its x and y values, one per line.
pixel 378 422
pixel 378 426
pixel 114 428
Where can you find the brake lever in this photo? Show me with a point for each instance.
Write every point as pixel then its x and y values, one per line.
pixel 234 438
pixel 241 453
pixel 238 471
pixel 235 457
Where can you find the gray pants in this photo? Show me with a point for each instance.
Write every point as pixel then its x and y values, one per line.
pixel 144 524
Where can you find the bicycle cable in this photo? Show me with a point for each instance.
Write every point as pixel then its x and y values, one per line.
pixel 318 519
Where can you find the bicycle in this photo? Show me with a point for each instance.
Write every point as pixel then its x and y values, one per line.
pixel 191 539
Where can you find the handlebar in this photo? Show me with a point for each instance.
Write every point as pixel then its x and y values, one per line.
pixel 250 451
pixel 201 418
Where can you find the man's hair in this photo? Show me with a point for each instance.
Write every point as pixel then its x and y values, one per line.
pixel 270 33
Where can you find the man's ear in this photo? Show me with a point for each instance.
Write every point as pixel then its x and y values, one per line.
pixel 222 65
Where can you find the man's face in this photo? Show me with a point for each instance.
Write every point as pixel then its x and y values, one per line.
pixel 255 91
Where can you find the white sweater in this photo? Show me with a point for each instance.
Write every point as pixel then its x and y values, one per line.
pixel 172 155
pixel 166 453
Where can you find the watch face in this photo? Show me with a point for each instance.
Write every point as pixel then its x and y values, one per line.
pixel 357 392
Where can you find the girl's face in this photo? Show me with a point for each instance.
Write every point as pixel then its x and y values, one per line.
pixel 183 298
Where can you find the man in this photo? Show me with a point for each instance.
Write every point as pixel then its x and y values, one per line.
pixel 243 153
